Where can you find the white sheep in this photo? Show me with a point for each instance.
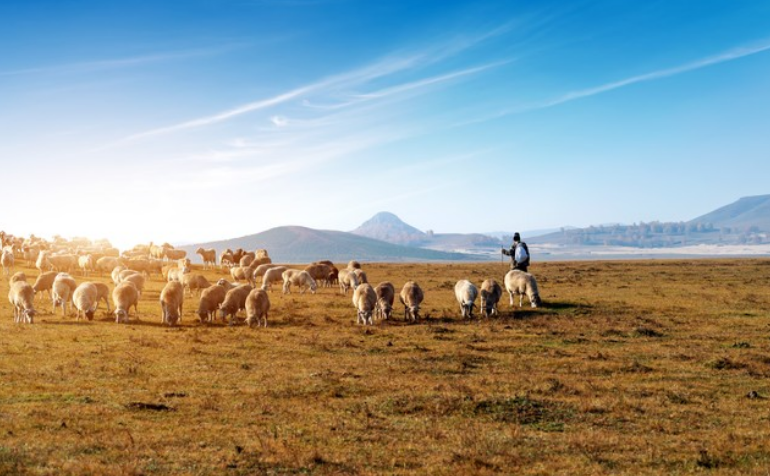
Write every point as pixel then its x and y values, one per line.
pixel 466 293
pixel 86 264
pixel 7 260
pixel 44 282
pixel 86 299
pixel 521 283
pixel 348 280
pixel 257 307
pixel 299 278
pixel 208 255
pixel 364 300
pixel 490 295
pixel 171 303
pixel 272 275
pixel 411 297
pixel 124 296
pixel 22 297
pixel 61 291
pixel 386 294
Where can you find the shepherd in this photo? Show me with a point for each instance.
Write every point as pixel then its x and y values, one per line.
pixel 519 253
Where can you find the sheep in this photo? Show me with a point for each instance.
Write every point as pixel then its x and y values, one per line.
pixel 116 273
pixel 239 273
pixel 172 254
pixel 62 289
pixel 271 276
pixel 42 263
pixel 102 293
pixel 235 300
pixel 64 263
pixel 360 275
pixel 411 297
pixel 247 259
pixel 324 261
pixel 144 265
pixel 211 298
pixel 7 260
pixel 18 276
pixel 237 255
pixel 353 264
pixel 521 283
pixel 261 253
pixel 298 278
pixel 44 282
pixel 124 296
pixel 85 298
pixel 126 273
pixel 86 264
pixel 364 300
pixel 226 259
pixel 259 271
pixel 348 279
pixel 171 303
pixel 490 295
pixel 22 297
pixel 320 272
pixel 208 255
pixel 106 264
pixel 194 281
pixel 175 274
pixel 30 254
pixel 386 294
pixel 183 263
pixel 257 306
pixel 466 293
pixel 227 284
pixel 137 279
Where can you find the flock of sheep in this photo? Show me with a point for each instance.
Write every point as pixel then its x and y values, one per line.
pixel 58 259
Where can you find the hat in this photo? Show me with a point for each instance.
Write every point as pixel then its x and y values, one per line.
pixel 516 236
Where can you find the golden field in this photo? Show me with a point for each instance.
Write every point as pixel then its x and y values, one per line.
pixel 645 367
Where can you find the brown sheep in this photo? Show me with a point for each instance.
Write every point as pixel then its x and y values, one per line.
pixel 211 298
pixel 235 300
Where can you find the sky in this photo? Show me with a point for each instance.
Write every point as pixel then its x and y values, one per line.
pixel 197 120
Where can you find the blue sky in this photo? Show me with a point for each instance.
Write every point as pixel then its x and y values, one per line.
pixel 206 119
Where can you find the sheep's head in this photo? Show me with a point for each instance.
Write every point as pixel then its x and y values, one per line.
pixel 535 301
pixel 120 315
pixel 28 315
pixel 90 314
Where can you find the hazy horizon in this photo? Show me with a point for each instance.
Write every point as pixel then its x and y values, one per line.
pixel 204 120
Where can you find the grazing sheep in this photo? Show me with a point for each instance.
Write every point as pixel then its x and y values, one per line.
pixel 124 296
pixel 175 274
pixel 211 298
pixel 85 298
pixel 239 273
pixel 386 294
pixel 348 280
pixel 194 281
pixel 18 276
pixel 235 300
pixel 272 275
pixel 521 283
pixel 364 300
pixel 171 303
pixel 324 261
pixel 144 265
pixel 44 282
pixel 237 255
pixel 227 284
pixel 259 271
pixel 353 264
pixel 261 253
pixel 102 293
pixel 62 289
pixel 86 264
pixel 116 273
pixel 22 297
pixel 138 281
pixel 466 293
pixel 247 259
pixel 172 254
pixel 208 255
pixel 66 263
pixel 320 272
pixel 298 278
pixel 411 297
pixel 490 294
pixel 126 273
pixel 7 260
pixel 257 306
pixel 226 259
pixel 106 264
pixel 360 275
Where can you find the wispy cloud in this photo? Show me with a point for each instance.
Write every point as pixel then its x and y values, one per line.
pixel 89 66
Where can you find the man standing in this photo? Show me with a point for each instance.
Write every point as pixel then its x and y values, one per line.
pixel 519 253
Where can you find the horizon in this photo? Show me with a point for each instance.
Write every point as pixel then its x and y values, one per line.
pixel 205 120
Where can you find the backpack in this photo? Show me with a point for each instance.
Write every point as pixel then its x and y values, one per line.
pixel 521 255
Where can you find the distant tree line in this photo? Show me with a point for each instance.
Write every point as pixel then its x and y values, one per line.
pixel 658 234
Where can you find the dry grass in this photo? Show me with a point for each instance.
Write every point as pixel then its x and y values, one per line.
pixel 630 367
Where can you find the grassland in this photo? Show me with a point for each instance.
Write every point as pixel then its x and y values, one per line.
pixel 630 368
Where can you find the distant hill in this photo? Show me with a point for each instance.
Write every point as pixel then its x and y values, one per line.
pixel 296 244
pixel 742 215
pixel 386 226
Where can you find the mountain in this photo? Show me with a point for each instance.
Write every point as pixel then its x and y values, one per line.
pixel 742 215
pixel 386 226
pixel 296 244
